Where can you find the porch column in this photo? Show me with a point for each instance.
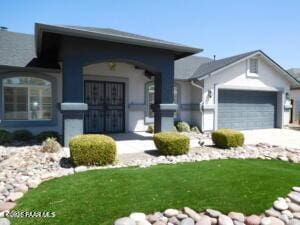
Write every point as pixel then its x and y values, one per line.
pixel 73 105
pixel 164 106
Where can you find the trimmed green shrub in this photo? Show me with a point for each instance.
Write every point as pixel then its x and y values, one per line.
pixel 150 129
pixel 5 137
pixel 93 149
pixel 22 135
pixel 183 126
pixel 47 134
pixel 50 145
pixel 195 129
pixel 227 138
pixel 171 143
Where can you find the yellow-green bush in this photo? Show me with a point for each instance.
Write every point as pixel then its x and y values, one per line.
pixel 226 138
pixel 171 143
pixel 183 126
pixel 150 129
pixel 93 149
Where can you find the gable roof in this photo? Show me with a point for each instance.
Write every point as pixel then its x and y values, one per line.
pixel 216 65
pixel 185 68
pixel 212 66
pixel 112 35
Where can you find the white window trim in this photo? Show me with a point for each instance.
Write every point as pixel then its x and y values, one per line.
pixel 28 99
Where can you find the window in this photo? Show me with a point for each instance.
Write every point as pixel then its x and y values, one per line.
pixel 253 67
pixel 150 93
pixel 27 98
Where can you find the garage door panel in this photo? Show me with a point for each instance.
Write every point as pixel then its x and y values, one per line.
pixel 246 109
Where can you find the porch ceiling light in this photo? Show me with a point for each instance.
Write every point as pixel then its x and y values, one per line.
pixel 112 65
pixel 209 94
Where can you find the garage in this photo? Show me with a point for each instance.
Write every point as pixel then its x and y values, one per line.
pixel 246 110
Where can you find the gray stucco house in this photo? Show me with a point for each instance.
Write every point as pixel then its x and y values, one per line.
pixel 90 80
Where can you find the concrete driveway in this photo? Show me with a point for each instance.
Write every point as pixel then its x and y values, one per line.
pixel 281 137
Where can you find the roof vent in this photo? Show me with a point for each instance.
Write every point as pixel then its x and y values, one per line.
pixel 3 28
pixel 214 57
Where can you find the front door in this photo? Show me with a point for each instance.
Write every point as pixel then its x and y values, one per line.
pixel 106 107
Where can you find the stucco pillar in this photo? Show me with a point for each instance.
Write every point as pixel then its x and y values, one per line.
pixel 164 106
pixel 73 105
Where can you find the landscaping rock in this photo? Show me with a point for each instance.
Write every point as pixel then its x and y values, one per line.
pixel 191 213
pixel 296 189
pixel 79 169
pixel 187 221
pixel 271 221
pixel 136 216
pixel 272 212
pixel 294 196
pixel 142 222
pixel 7 206
pixel 294 222
pixel 294 207
pixel 12 197
pixel 4 221
pixel 171 212
pixel 204 220
pixel 174 220
pixel 225 220
pixel 154 217
pixel 252 220
pixel 280 204
pixel 213 213
pixel 236 222
pixel 125 221
pixel 296 215
pixel 182 216
pixel 33 183
pixel 159 223
pixel 288 213
pixel 237 216
pixel 22 188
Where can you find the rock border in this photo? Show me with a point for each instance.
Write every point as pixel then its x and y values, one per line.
pixel 285 211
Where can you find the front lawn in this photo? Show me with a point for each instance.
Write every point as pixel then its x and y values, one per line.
pixel 100 197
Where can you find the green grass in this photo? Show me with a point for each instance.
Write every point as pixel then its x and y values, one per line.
pixel 99 197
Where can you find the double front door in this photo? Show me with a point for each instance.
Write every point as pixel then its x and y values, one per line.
pixel 106 107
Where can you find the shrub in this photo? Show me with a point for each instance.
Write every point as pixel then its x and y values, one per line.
pixel 47 134
pixel 226 138
pixel 195 129
pixel 5 137
pixel 183 127
pixel 93 149
pixel 22 135
pixel 171 143
pixel 150 129
pixel 50 145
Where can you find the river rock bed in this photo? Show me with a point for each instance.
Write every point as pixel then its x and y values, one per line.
pixel 24 168
pixel 285 211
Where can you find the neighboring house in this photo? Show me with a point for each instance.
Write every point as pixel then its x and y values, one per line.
pixel 295 97
pixel 89 80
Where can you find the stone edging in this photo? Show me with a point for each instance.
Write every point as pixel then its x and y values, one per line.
pixel 285 211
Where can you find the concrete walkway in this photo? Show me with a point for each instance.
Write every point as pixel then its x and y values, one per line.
pixel 281 137
pixel 139 142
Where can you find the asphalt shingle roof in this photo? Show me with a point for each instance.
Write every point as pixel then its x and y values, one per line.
pixel 16 49
pixel 186 67
pixel 209 67
pixel 295 72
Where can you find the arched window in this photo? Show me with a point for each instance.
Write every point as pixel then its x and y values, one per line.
pixel 150 98
pixel 27 98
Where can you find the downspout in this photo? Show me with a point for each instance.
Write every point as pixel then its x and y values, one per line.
pixel 201 103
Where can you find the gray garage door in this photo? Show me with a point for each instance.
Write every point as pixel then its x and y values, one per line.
pixel 246 110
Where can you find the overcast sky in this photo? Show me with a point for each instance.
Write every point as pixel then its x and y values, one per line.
pixel 223 28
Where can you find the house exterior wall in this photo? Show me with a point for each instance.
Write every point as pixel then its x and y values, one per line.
pixel 35 126
pixel 237 76
pixel 295 95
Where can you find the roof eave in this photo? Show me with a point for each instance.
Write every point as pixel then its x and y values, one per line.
pixel 181 50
